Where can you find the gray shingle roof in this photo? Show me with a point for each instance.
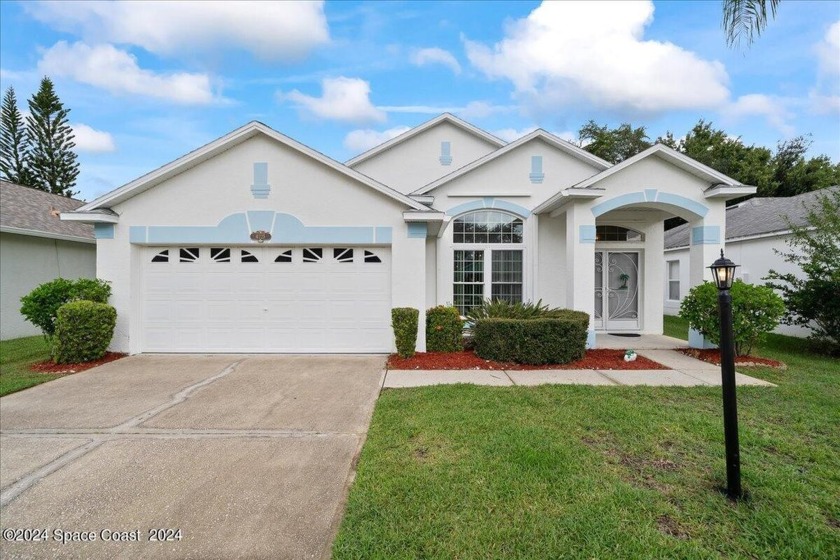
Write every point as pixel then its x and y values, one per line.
pixel 755 216
pixel 31 209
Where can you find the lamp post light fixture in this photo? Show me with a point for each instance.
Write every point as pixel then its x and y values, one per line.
pixel 723 271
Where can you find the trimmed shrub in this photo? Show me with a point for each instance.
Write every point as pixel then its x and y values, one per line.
pixel 40 306
pixel 404 321
pixel 756 310
pixel 557 340
pixel 444 328
pixel 83 331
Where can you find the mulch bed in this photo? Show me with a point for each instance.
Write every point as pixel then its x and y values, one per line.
pixel 712 356
pixel 594 359
pixel 53 368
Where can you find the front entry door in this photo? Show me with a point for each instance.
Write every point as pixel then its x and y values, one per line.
pixel 617 290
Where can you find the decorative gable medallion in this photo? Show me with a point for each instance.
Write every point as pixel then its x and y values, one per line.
pixel 260 236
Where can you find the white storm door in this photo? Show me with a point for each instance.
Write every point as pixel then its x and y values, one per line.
pixel 617 290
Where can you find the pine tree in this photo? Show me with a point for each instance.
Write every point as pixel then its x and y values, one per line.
pixel 53 162
pixel 14 143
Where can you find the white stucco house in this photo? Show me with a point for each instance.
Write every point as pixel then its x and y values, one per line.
pixel 257 243
pixel 36 247
pixel 755 230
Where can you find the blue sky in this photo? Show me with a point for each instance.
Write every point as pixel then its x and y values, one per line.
pixel 148 82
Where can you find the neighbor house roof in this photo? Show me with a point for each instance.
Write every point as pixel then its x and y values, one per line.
pixel 218 146
pixel 756 216
pixel 28 211
pixel 411 133
pixel 597 163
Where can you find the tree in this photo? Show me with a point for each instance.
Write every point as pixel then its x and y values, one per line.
pixel 14 144
pixel 746 19
pixel 53 162
pixel 793 174
pixel 614 145
pixel 814 301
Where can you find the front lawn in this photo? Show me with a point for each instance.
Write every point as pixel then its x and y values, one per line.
pixel 15 358
pixel 601 472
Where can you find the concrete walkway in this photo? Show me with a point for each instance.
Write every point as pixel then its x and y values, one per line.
pixel 685 372
pixel 248 456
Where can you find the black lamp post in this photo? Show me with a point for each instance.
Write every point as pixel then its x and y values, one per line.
pixel 723 271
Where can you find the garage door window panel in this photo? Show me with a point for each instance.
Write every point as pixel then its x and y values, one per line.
pixel 284 257
pixel 162 257
pixel 249 257
pixel 189 254
pixel 220 255
pixel 312 255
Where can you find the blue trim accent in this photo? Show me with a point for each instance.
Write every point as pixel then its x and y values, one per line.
pixel 445 153
pixel 586 234
pixel 137 234
pixel 489 203
pixel 287 229
pixel 705 235
pixel 260 219
pixel 683 202
pixel 697 340
pixel 590 339
pixel 103 231
pixel 650 195
pixel 537 174
pixel 418 230
pixel 260 188
pixel 382 234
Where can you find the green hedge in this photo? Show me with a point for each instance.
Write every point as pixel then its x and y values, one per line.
pixel 404 321
pixel 40 306
pixel 444 329
pixel 556 340
pixel 83 331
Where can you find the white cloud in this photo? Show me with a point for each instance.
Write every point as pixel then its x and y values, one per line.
pixel 511 134
pixel 436 55
pixel 595 52
pixel 343 99
pixel 271 30
pixel 116 71
pixel 756 104
pixel 364 139
pixel 828 50
pixel 89 139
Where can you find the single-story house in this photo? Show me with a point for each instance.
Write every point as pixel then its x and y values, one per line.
pixel 258 243
pixel 755 230
pixel 36 247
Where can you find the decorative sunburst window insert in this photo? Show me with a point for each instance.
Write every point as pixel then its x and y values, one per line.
pixel 189 254
pixel 284 257
pixel 220 254
pixel 312 255
pixel 162 257
pixel 371 257
pixel 343 255
pixel 248 257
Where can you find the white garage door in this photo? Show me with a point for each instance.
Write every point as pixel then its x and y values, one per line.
pixel 266 299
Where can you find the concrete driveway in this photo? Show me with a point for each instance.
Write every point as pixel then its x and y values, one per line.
pixel 248 456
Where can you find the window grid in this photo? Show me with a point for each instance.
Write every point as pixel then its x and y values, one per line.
pixel 488 226
pixel 674 280
pixel 506 275
pixel 468 280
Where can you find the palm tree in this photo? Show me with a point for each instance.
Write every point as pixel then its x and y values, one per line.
pixel 746 19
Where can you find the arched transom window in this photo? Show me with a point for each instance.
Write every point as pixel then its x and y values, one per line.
pixel 617 233
pixel 488 261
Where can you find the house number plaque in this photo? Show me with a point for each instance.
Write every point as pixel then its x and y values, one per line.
pixel 260 236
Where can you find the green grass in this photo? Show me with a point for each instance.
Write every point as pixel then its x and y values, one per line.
pixel 15 358
pixel 601 472
pixel 676 326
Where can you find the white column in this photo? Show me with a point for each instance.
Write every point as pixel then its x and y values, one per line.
pixel 706 237
pixel 408 274
pixel 580 264
pixel 653 273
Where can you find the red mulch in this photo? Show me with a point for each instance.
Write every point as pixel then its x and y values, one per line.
pixel 594 359
pixel 51 367
pixel 712 355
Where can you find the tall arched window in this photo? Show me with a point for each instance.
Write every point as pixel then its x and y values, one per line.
pixel 488 258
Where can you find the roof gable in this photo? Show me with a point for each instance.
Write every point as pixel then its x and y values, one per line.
pixel 417 130
pixel 227 142
pixel 566 147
